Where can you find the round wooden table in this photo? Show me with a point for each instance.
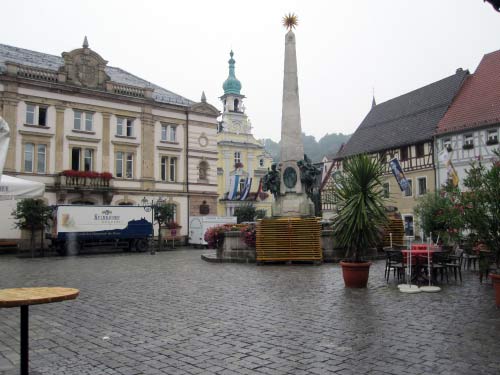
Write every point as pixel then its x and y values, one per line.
pixel 23 297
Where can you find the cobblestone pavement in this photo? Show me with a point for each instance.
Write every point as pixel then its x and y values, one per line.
pixel 173 313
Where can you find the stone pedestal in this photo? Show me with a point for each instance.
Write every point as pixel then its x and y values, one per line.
pixel 293 204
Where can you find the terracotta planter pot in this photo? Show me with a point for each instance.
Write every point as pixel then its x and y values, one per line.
pixel 495 278
pixel 355 274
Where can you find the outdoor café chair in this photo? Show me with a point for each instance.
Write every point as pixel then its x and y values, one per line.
pixel 454 263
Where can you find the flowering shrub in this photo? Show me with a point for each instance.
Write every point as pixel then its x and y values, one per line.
pixel 214 236
pixel 88 174
pixel 248 233
pixel 238 165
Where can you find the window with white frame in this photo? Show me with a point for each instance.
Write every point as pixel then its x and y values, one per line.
pixel 124 127
pixel 82 159
pixel 421 185
pixel 88 159
pixel 35 158
pixel 168 133
pixel 408 192
pixel 83 120
pixel 36 115
pixel 468 140
pixel 173 133
pixel 29 157
pixel 173 170
pixel 124 164
pixel 386 190
pixel 164 168
pixel 492 137
pixel 446 144
pixel 408 222
pixel 237 157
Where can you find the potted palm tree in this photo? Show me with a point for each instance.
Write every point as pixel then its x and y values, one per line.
pixel 360 215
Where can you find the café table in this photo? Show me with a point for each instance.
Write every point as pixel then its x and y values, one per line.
pixel 419 259
pixel 23 298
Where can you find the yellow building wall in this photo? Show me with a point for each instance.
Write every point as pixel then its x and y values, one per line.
pixel 251 152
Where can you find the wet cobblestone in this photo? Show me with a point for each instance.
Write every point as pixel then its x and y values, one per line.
pixel 172 313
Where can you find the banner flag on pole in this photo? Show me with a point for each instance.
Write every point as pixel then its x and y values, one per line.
pixel 397 171
pixel 234 183
pixel 451 173
pixel 246 190
pixel 259 190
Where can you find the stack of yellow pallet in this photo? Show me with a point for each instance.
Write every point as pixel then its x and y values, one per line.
pixel 395 227
pixel 289 239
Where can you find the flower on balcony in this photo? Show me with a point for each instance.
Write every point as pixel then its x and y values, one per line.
pixel 106 175
pixel 86 174
pixel 238 165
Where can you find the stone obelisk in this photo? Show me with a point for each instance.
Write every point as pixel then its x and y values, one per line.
pixel 292 200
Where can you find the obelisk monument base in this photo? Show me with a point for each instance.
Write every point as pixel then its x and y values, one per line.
pixel 293 204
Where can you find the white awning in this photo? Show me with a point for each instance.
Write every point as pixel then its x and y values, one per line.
pixel 17 188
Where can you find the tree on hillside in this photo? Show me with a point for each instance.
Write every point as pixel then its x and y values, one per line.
pixel 315 150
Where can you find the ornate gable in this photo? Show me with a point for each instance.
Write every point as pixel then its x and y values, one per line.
pixel 84 67
pixel 204 107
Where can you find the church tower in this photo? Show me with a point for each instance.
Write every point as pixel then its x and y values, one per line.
pixel 242 159
pixel 234 119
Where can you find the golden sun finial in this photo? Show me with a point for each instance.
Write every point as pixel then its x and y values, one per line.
pixel 290 21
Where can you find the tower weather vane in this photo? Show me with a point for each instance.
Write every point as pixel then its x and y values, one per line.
pixel 290 21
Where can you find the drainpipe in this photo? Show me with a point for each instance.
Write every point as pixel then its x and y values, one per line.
pixel 186 165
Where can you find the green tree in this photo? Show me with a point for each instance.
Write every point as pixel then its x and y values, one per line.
pixel 442 214
pixel 244 213
pixel 32 214
pixel 481 203
pixel 163 213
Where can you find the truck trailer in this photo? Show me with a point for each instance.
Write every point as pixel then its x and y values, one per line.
pixel 76 226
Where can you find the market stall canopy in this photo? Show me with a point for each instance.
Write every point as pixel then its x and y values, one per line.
pixel 17 188
pixel 13 187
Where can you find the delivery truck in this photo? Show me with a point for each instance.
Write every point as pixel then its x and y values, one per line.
pixel 75 226
pixel 198 225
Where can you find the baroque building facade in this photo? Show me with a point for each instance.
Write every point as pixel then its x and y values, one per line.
pixel 96 134
pixel 243 161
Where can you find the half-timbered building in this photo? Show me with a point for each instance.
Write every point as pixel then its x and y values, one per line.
pixel 403 128
pixel 469 131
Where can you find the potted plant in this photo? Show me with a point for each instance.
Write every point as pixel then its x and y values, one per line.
pixel 361 214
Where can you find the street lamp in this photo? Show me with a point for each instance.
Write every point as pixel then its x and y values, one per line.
pixel 147 208
pixel 155 206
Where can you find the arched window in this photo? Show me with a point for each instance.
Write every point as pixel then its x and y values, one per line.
pixel 203 170
pixel 236 105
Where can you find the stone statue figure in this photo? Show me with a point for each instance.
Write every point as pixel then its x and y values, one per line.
pixel 271 181
pixel 308 175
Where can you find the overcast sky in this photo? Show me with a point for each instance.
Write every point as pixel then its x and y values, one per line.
pixel 344 48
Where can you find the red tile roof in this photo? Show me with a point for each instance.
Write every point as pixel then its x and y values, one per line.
pixel 478 102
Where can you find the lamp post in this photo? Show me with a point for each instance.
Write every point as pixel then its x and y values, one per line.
pixel 159 203
pixel 147 208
